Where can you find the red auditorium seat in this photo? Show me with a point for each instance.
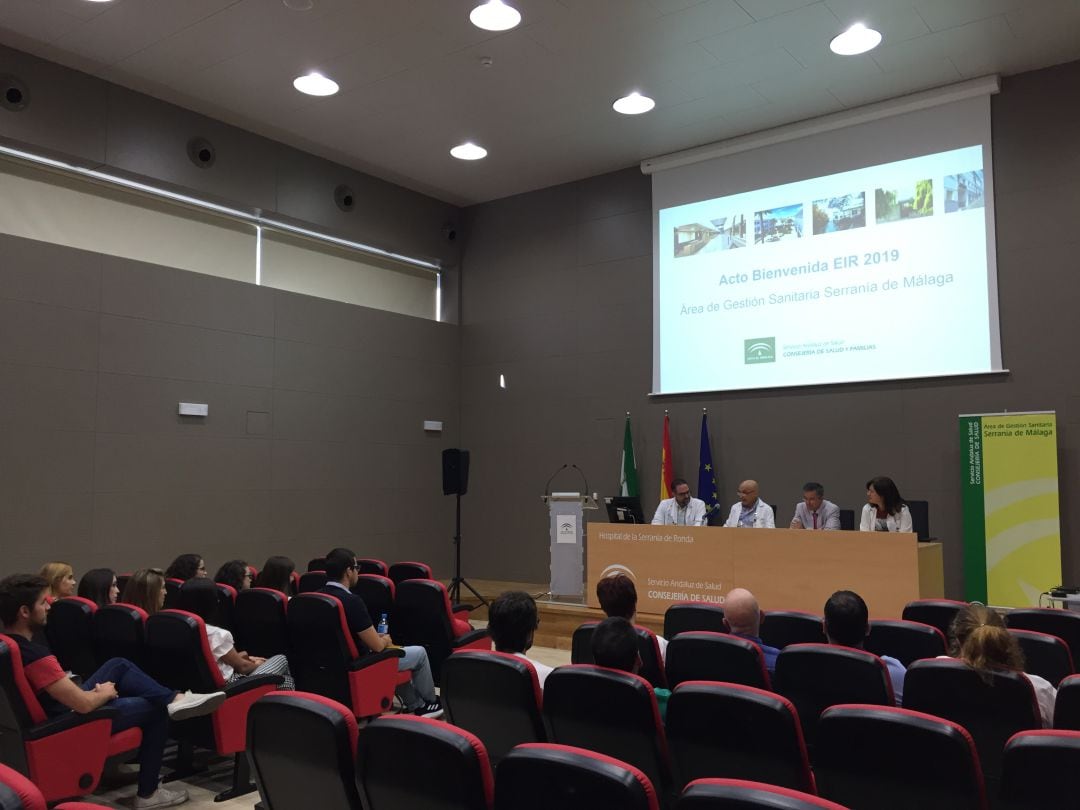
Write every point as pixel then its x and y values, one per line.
pixel 120 632
pixel 407 762
pixel 652 662
pixel 683 616
pixel 70 632
pixel 19 793
pixel 817 676
pixel 991 706
pixel 938 613
pixel 699 655
pixel 542 776
pixel 64 755
pixel 313 763
pixel 260 622
pixel 896 759
pixel 496 696
pixel 736 794
pixel 781 628
pixel 610 712
pixel 726 730
pixel 906 641
pixel 178 656
pixel 327 661
pixel 424 617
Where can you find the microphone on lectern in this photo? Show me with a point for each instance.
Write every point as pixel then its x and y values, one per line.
pixel 547 486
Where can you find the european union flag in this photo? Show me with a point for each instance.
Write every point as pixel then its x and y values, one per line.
pixel 707 489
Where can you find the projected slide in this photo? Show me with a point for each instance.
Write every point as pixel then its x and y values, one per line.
pixel 876 273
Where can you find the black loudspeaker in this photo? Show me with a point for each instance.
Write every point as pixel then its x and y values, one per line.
pixel 455 471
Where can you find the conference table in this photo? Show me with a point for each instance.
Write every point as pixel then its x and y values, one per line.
pixel 787 569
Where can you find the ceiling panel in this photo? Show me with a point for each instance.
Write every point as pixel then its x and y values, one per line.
pixel 413 85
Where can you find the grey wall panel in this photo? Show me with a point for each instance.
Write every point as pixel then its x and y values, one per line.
pixel 155 293
pixel 43 397
pixel 49 274
pixel 554 412
pixel 44 335
pixel 131 404
pixel 168 462
pixel 156 349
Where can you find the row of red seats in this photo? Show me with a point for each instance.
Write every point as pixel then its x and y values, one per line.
pixel 1046 636
pixel 83 636
pixel 876 758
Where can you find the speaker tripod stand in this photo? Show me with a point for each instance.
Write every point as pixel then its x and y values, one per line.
pixel 458 580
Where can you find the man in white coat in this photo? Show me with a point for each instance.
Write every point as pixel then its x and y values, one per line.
pixel 750 511
pixel 682 510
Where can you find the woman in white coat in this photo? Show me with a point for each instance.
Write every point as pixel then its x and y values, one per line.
pixel 885 510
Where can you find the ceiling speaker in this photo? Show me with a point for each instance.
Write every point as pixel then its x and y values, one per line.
pixel 201 152
pixel 345 198
pixel 13 94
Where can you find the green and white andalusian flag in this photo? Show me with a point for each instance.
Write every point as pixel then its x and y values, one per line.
pixel 628 486
pixel 1009 488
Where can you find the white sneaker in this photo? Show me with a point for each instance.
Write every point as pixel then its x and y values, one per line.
pixel 162 797
pixel 194 704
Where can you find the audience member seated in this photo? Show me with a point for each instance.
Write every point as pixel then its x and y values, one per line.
pixel 618 597
pixel 847 623
pixel 185 567
pixel 138 700
pixel 418 696
pixel 146 589
pixel 742 618
pixel 317 564
pixel 200 596
pixel 885 510
pixel 276 574
pixel 235 573
pixel 615 646
pixel 61 579
pixel 99 586
pixel 512 620
pixel 980 639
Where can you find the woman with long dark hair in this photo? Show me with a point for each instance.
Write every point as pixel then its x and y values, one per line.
pixel 276 574
pixel 99 586
pixel 185 567
pixel 235 573
pixel 885 510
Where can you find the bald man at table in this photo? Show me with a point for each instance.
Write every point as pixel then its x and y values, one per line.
pixel 750 512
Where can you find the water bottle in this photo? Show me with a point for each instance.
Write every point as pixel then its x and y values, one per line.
pixel 384 625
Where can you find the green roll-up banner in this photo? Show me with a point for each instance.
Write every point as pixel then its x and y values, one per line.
pixel 1009 483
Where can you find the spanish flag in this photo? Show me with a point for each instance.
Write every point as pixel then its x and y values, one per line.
pixel 666 465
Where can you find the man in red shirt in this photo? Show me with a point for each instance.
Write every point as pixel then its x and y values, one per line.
pixel 140 700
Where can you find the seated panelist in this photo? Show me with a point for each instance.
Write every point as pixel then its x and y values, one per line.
pixel 750 512
pixel 885 510
pixel 681 510
pixel 814 512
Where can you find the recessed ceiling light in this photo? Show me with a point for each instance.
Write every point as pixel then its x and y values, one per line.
pixel 299 5
pixel 315 84
pixel 99 1
pixel 633 104
pixel 495 15
pixel 857 39
pixel 468 151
